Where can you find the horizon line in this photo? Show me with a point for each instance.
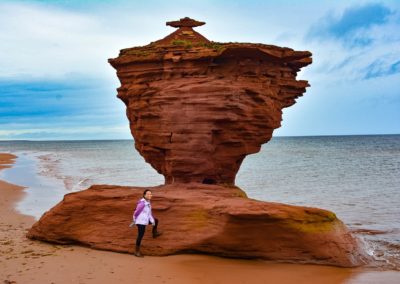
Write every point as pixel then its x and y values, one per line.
pixel 131 139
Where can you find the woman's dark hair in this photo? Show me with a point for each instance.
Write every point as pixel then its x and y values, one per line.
pixel 144 192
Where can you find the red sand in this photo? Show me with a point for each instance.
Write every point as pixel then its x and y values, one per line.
pixel 26 261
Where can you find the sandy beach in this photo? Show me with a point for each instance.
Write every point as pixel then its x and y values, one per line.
pixel 26 261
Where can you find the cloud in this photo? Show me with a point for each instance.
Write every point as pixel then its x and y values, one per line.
pixel 75 104
pixel 361 43
pixel 353 25
pixel 43 41
pixel 378 69
pixel 19 98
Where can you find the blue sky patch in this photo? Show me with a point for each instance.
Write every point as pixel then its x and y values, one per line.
pixel 352 20
pixel 379 69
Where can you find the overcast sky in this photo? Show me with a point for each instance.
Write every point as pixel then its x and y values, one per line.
pixel 55 82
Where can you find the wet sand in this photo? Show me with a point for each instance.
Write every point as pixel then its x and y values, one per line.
pixel 26 261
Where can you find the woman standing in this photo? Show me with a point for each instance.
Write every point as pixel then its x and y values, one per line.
pixel 142 217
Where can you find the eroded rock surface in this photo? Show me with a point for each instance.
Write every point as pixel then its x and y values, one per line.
pixel 201 218
pixel 197 108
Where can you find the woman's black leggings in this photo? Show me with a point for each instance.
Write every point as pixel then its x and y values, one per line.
pixel 142 229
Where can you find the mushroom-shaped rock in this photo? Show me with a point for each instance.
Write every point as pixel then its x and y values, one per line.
pixel 198 108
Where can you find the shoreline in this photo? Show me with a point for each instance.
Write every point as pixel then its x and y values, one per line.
pixel 27 261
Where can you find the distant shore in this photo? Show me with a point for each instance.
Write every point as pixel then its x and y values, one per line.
pixel 26 261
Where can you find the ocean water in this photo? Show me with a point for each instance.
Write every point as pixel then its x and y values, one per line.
pixel 357 177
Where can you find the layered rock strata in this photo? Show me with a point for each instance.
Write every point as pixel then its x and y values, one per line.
pixel 197 108
pixel 199 218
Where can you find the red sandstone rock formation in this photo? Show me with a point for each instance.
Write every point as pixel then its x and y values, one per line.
pixel 197 108
pixel 201 218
